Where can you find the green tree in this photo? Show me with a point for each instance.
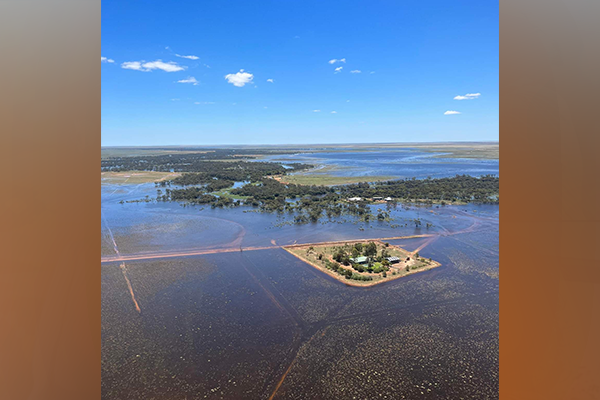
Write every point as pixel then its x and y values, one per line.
pixel 370 249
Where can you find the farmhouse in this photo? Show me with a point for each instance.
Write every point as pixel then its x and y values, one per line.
pixel 359 260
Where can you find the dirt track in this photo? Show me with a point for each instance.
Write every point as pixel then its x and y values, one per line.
pixel 192 252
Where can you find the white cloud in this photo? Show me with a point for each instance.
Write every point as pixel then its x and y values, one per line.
pixel 335 60
pixel 106 60
pixel 449 112
pixel 152 65
pixel 468 96
pixel 338 69
pixel 372 72
pixel 270 80
pixel 174 99
pixel 189 79
pixel 334 112
pixel 239 79
pixel 356 71
pixel 188 57
pixel 135 65
pixel 316 110
pixel 204 102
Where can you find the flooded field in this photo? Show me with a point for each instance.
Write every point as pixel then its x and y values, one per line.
pixel 244 319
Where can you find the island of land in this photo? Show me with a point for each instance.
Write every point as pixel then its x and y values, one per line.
pixel 362 262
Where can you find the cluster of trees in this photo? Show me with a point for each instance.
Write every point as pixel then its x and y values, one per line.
pixel 376 261
pixel 271 189
pixel 309 203
pixel 188 160
pixel 347 273
pixel 199 195
pixel 202 168
pixel 238 171
pixel 463 188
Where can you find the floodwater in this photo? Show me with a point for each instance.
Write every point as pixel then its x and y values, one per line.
pixel 261 324
pixel 398 163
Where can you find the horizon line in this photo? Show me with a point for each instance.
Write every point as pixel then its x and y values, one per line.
pixel 306 144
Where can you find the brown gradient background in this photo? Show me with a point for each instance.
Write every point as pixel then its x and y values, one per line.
pixel 50 145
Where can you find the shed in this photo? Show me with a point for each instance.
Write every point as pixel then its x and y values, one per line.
pixel 355 199
pixel 388 199
pixel 377 198
pixel 393 260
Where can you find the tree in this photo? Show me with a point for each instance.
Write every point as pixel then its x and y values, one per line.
pixel 339 255
pixel 371 249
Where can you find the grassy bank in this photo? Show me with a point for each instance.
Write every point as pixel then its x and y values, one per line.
pixel 324 176
pixel 135 177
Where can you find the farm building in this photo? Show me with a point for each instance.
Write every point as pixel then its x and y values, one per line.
pixel 377 198
pixel 355 199
pixel 393 260
pixel 359 260
pixel 388 199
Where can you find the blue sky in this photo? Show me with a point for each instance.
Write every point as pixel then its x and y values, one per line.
pixel 414 58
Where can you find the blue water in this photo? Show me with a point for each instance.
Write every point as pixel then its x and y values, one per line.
pixel 399 163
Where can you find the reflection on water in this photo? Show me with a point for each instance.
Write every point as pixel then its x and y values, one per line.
pixel 262 324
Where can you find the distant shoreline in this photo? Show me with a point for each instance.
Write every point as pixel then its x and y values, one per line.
pixel 474 150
